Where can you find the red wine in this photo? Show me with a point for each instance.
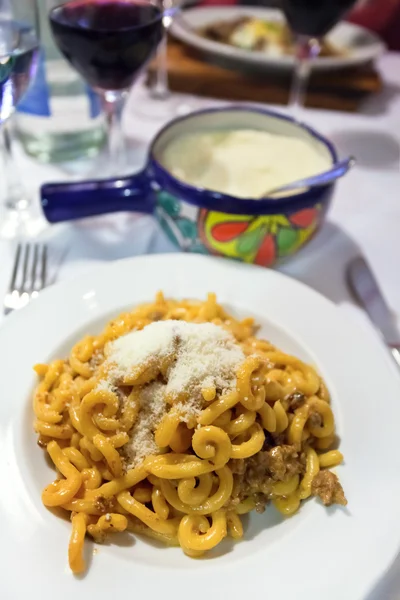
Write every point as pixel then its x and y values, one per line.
pixel 314 17
pixel 107 41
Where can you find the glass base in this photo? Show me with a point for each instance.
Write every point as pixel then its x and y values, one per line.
pixel 56 148
pixel 161 107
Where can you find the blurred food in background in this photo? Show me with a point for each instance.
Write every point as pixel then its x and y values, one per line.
pixel 271 37
pixel 380 16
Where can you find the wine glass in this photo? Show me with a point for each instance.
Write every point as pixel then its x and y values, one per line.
pixel 108 42
pixel 19 47
pixel 159 90
pixel 158 102
pixel 309 20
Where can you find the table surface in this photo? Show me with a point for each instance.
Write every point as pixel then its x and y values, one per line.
pixel 364 218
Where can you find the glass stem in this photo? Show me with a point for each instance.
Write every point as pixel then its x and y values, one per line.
pixel 15 196
pixel 160 89
pixel 306 50
pixel 113 104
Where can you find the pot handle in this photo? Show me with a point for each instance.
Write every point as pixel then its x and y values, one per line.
pixel 77 200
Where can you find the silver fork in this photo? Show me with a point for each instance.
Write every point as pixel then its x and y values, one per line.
pixel 29 276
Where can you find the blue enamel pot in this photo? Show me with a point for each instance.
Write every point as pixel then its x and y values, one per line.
pixel 199 220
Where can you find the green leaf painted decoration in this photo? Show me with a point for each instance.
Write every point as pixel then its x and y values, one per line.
pixel 187 227
pixel 286 238
pixel 249 242
pixel 169 203
pixel 167 229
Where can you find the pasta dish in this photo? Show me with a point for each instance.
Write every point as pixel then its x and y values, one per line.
pixel 175 421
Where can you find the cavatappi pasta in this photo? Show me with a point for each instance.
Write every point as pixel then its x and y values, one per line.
pixel 267 438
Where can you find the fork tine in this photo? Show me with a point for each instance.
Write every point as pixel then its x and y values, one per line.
pixel 34 267
pixel 29 275
pixel 43 276
pixel 25 268
pixel 15 268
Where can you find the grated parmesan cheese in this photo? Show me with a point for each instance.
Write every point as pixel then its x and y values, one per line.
pixel 206 355
pixel 152 409
pixel 105 385
pixel 136 348
pixel 203 355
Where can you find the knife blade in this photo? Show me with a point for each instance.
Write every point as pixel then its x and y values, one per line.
pixel 365 288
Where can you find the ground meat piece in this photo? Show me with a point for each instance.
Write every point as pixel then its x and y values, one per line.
pixel 99 536
pixel 238 466
pixel 232 502
pixel 273 439
pixel 253 480
pixel 315 419
pixel 283 462
pixel 257 474
pixel 296 400
pixel 104 505
pixel 279 439
pixel 326 485
pixel 123 391
pixel 261 501
pixel 239 490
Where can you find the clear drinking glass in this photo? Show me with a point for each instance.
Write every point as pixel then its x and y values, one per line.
pixel 309 20
pixel 19 47
pixel 108 42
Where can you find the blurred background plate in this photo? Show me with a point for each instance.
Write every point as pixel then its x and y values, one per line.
pixel 360 45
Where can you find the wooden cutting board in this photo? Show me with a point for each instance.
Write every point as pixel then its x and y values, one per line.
pixel 191 73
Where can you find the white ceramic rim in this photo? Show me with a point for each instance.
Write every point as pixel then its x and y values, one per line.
pixel 184 25
pixel 319 553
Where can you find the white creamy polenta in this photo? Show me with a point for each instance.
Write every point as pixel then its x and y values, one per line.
pixel 244 162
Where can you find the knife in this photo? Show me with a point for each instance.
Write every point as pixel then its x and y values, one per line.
pixel 365 289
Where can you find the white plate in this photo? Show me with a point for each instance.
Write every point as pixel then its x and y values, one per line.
pixel 361 45
pixel 319 553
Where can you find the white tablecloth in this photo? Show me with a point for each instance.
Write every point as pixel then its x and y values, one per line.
pixel 365 216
